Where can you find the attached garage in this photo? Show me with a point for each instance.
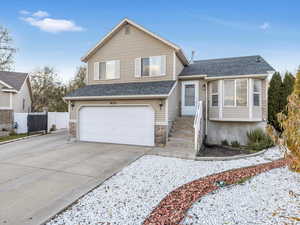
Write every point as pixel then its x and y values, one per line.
pixel 133 125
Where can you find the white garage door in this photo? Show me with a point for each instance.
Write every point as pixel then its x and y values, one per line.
pixel 117 124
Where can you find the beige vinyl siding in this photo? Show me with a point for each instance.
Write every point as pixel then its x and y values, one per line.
pixel 4 98
pixel 257 112
pixel 178 66
pixel 159 113
pixel 18 99
pixel 213 112
pixel 264 99
pixel 235 112
pixel 173 104
pixel 126 48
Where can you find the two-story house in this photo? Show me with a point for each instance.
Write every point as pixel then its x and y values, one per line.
pixel 15 96
pixel 139 83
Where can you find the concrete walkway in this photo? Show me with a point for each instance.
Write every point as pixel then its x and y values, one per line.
pixel 42 175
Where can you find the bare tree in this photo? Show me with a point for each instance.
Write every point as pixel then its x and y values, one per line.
pixel 6 50
pixel 79 80
pixel 48 90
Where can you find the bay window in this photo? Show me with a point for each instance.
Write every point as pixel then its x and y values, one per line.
pixel 256 92
pixel 215 93
pixel 229 94
pixel 235 92
pixel 241 92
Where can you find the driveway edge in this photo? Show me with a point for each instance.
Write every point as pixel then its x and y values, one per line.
pixel 93 187
pixel 19 139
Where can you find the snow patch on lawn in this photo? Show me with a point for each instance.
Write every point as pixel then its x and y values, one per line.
pixel 130 196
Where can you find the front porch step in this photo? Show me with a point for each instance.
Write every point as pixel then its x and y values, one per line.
pixel 183 127
pixel 176 137
pixel 181 135
pixel 180 145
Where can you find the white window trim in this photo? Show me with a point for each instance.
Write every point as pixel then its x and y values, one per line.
pixel 215 93
pixel 116 78
pixel 247 92
pixel 150 73
pixel 235 102
pixel 257 92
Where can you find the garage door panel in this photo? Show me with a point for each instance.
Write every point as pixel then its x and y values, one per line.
pixel 120 125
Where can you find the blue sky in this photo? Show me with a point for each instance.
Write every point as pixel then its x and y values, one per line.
pixel 58 33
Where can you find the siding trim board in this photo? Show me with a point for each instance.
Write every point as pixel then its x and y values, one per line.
pixel 206 77
pixel 9 90
pixel 116 97
pixel 5 84
pixel 238 76
pixel 235 120
pixel 174 65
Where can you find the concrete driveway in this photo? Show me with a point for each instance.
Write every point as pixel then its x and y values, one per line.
pixel 42 175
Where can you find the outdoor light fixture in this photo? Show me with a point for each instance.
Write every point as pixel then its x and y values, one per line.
pixel 161 104
pixel 72 105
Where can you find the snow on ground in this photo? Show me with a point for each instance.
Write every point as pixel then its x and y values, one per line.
pixel 129 197
pixel 267 199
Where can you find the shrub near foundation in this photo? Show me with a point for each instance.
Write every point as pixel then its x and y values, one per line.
pixel 235 144
pixel 259 140
pixel 224 142
pixel 289 139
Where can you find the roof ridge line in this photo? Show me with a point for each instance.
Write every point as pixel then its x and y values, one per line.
pixel 237 57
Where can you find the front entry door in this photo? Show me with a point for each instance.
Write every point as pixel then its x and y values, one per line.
pixel 189 97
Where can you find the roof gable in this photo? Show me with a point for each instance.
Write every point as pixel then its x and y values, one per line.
pixel 13 80
pixel 118 28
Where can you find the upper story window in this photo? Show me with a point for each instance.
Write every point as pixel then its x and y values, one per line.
pixel 235 92
pixel 150 66
pixel 145 67
pixel 256 92
pixel 214 93
pixel 107 70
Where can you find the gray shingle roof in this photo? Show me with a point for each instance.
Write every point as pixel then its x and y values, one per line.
pixel 244 65
pixel 13 79
pixel 138 88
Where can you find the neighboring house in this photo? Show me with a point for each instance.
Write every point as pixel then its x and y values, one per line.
pixel 15 96
pixel 138 84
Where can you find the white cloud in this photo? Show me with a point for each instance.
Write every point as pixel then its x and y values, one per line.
pixel 24 12
pixel 53 25
pixel 40 14
pixel 265 26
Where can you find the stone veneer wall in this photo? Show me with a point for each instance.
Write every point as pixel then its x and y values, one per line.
pixel 72 129
pixel 161 133
pixel 6 119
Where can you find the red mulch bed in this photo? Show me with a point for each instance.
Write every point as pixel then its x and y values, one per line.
pixel 172 209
